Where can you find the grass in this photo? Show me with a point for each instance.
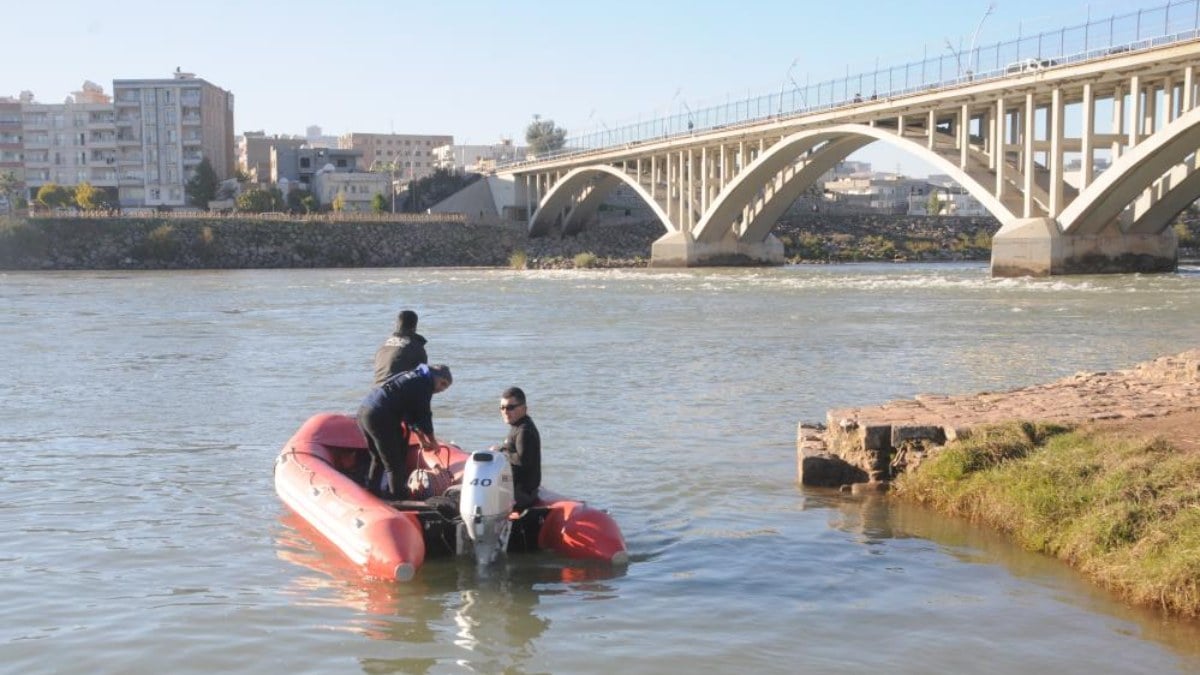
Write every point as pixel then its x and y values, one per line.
pixel 519 260
pixel 585 260
pixel 1125 513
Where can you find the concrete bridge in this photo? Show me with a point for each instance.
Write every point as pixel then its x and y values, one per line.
pixel 1004 134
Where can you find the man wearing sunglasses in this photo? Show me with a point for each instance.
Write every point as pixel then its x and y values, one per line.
pixel 523 447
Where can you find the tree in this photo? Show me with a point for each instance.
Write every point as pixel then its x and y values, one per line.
pixel 202 186
pixel 89 197
pixel 54 196
pixel 934 207
pixel 379 203
pixel 339 203
pixel 543 136
pixel 260 200
pixel 301 201
pixel 10 186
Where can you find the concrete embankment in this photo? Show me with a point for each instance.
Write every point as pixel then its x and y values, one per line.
pixel 866 447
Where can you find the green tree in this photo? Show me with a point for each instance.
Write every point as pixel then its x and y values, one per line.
pixel 10 186
pixel 934 207
pixel 202 186
pixel 543 136
pixel 260 200
pixel 54 196
pixel 90 198
pixel 379 203
pixel 301 201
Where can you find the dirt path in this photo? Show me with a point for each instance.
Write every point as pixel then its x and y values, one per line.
pixel 1155 398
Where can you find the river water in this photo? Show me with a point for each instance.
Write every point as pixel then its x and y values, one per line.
pixel 142 412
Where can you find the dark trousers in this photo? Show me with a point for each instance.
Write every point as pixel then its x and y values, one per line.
pixel 387 441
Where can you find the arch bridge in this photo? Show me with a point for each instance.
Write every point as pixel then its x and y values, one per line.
pixel 719 190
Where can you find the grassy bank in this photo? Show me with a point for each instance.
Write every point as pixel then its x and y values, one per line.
pixel 1125 513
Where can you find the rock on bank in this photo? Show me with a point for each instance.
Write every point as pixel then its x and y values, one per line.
pixel 868 446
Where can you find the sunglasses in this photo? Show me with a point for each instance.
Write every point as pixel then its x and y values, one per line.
pixel 511 406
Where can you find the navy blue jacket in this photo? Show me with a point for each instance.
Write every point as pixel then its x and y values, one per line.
pixel 406 395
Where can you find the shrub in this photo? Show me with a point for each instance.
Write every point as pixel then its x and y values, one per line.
pixel 519 260
pixel 585 260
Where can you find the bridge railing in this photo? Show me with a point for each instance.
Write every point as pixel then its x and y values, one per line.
pixel 1176 21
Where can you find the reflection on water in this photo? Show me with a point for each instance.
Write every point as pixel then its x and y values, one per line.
pixel 494 609
pixel 142 527
pixel 872 519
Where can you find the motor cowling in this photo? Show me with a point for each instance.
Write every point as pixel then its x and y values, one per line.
pixel 486 502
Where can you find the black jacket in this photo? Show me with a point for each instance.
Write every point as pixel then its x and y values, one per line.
pixel 398 354
pixel 524 450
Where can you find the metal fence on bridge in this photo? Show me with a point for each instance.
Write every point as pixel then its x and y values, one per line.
pixel 1174 22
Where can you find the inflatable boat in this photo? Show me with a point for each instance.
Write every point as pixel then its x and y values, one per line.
pixel 320 472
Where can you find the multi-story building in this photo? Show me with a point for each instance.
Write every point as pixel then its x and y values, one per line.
pixel 297 166
pixel 477 158
pixel 409 156
pixel 70 143
pixel 164 128
pixel 12 147
pixel 254 153
pixel 357 189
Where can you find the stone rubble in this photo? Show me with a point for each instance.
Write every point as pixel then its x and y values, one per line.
pixel 874 444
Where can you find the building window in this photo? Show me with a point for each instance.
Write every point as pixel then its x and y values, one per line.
pixel 305 163
pixel 341 163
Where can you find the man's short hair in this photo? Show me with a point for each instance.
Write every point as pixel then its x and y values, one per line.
pixel 514 393
pixel 442 371
pixel 406 322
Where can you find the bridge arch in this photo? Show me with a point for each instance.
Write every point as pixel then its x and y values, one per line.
pixel 832 145
pixel 578 194
pixel 1102 202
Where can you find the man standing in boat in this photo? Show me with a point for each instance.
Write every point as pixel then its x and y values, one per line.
pixel 523 447
pixel 403 351
pixel 402 398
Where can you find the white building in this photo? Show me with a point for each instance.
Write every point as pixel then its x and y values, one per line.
pixel 357 189
pixel 477 158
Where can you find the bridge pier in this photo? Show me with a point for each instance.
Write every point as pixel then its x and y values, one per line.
pixel 1038 247
pixel 679 249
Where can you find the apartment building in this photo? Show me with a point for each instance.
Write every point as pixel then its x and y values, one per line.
pixel 411 155
pixel 163 129
pixel 254 153
pixel 12 146
pixel 71 142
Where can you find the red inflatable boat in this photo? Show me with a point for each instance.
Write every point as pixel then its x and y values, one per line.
pixel 317 476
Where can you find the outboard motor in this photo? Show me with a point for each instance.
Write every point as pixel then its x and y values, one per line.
pixel 486 503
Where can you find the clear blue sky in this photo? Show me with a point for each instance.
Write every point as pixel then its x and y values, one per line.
pixel 480 70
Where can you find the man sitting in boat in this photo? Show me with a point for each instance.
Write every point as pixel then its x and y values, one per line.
pixel 523 447
pixel 403 398
pixel 404 350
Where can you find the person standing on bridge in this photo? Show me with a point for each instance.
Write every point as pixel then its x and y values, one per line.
pixel 404 350
pixel 401 404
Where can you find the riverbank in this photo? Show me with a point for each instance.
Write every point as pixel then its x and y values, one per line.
pixel 182 242
pixel 1100 469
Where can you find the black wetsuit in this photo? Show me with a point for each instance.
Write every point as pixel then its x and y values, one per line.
pixel 523 447
pixel 402 398
pixel 398 354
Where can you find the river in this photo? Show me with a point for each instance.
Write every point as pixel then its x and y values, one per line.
pixel 142 413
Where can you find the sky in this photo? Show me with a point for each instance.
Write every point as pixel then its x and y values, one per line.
pixel 479 70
